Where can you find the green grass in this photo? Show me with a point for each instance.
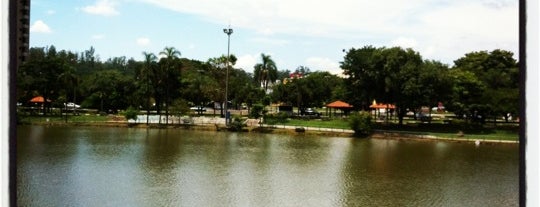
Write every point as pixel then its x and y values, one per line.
pixel 486 132
pixel 333 123
pixel 81 118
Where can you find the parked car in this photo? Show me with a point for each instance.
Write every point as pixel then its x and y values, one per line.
pixel 310 112
pixel 72 105
pixel 198 108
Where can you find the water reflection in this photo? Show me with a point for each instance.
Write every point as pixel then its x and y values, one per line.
pixel 60 166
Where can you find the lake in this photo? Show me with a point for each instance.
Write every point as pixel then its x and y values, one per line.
pixel 90 166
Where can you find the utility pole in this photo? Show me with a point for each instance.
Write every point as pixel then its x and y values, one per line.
pixel 227 31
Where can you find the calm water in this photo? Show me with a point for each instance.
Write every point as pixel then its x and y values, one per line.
pixel 66 166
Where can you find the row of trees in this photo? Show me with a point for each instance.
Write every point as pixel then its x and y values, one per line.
pixel 479 84
pixel 165 83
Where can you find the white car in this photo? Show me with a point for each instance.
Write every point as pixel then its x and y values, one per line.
pixel 72 105
pixel 198 108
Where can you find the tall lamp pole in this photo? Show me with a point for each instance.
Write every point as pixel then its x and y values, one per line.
pixel 227 31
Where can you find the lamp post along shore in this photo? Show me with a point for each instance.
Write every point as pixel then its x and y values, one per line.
pixel 227 31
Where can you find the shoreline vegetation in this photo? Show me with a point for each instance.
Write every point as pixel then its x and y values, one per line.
pixel 477 99
pixel 308 127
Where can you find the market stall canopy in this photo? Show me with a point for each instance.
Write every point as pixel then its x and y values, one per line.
pixel 339 104
pixel 374 105
pixel 39 99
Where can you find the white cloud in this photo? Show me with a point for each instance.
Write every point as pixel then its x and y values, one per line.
pixel 446 29
pixel 453 31
pixel 323 64
pixel 40 27
pixel 247 62
pixel 51 12
pixel 143 41
pixel 270 41
pixel 102 7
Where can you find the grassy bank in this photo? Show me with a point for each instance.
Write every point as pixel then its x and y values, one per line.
pixel 456 130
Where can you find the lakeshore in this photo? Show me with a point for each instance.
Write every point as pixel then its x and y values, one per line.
pixel 253 126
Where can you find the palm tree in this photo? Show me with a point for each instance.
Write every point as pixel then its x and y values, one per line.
pixel 149 61
pixel 171 55
pixel 265 72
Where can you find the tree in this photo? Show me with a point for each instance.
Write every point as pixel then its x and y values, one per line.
pixel 197 83
pixel 88 62
pixel 108 90
pixel 145 74
pixel 39 76
pixel 360 71
pixel 218 70
pixel 499 73
pixel 168 66
pixel 70 80
pixel 265 72
pixel 430 86
pixel 466 91
pixel 241 88
pixel 384 74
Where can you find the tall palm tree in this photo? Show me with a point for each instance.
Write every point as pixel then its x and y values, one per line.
pixel 265 72
pixel 149 61
pixel 171 55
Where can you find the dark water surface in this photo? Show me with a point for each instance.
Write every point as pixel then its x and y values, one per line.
pixel 85 166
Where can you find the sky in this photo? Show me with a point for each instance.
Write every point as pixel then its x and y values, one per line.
pixel 294 32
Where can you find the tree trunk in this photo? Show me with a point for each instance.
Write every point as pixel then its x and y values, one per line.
pixel 401 113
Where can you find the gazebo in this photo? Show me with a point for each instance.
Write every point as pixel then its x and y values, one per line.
pixel 384 108
pixel 343 106
pixel 40 102
pixel 39 99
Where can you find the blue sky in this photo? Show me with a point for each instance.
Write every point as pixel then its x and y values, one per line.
pixel 294 32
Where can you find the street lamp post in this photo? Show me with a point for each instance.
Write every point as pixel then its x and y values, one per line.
pixel 227 31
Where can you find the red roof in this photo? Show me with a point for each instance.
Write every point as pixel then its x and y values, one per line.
pixel 382 106
pixel 339 104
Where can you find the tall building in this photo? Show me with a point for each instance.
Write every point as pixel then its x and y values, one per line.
pixel 19 39
pixel 19 30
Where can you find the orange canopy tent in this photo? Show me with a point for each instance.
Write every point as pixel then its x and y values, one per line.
pixel 39 99
pixel 383 106
pixel 377 109
pixel 374 105
pixel 338 104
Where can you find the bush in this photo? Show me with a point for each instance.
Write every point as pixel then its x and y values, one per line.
pixel 131 113
pixel 280 117
pixel 237 124
pixel 361 124
pixel 256 111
